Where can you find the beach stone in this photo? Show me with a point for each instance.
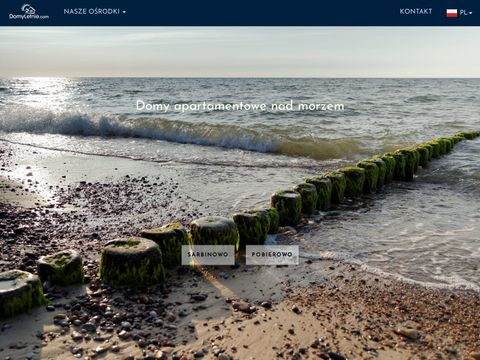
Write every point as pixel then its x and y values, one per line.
pixel 250 229
pixel 63 268
pixel 355 179
pixel 475 355
pixel 336 356
pixel 324 191
pixel 266 304
pixel 170 239
pixel 20 291
pixel 161 355
pixel 309 195
pixel 214 230
pixel 89 327
pixel 76 336
pixel 389 167
pixel 243 306
pixel 411 162
pixel 339 183
pixel 131 262
pixel 289 206
pixel 410 334
pixel 198 297
pixel 371 176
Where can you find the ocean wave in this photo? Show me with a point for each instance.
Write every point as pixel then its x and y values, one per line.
pixel 424 98
pixel 266 140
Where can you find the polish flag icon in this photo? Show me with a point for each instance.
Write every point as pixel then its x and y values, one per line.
pixel 452 13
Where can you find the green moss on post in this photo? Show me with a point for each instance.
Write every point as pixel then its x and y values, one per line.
pixel 443 146
pixel 436 148
pixel 250 229
pixel 264 218
pixel 289 206
pixel 309 197
pixel 339 183
pixel 324 191
pixel 132 262
pixel 214 230
pixel 170 239
pixel 447 144
pixel 389 161
pixel 424 154
pixel 400 161
pixel 382 170
pixel 20 291
pixel 469 135
pixel 355 177
pixel 273 219
pixel 371 176
pixel 411 162
pixel 430 150
pixel 64 268
pixel 459 136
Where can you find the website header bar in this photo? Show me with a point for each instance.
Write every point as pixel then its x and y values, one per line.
pixel 245 13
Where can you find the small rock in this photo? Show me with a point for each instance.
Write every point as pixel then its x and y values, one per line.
pixel 295 309
pixel 335 356
pixel 475 355
pixel 89 327
pixel 101 349
pixel 266 304
pixel 199 297
pixel 243 307
pixel 123 334
pixel 410 334
pixel 161 355
pixel 171 317
pixel 76 336
pixel 126 325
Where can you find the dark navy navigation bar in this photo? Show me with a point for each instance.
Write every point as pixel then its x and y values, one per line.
pixel 240 13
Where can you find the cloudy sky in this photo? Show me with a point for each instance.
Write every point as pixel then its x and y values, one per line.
pixel 223 52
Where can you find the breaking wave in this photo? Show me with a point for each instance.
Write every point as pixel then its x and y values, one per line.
pixel 267 140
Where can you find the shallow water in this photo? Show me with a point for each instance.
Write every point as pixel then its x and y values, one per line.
pixel 7 284
pixel 425 230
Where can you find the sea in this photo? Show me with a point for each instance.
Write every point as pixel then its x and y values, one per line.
pixel 426 231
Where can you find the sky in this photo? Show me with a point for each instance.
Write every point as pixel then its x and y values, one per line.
pixel 240 51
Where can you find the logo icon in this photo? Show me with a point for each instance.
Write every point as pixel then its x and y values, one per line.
pixel 451 13
pixel 28 9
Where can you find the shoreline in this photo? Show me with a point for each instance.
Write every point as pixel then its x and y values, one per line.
pixel 323 290
pixel 303 312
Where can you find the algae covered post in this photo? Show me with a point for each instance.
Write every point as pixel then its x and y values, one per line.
pixel 131 262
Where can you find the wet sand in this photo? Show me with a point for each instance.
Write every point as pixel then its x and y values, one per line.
pixel 318 309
